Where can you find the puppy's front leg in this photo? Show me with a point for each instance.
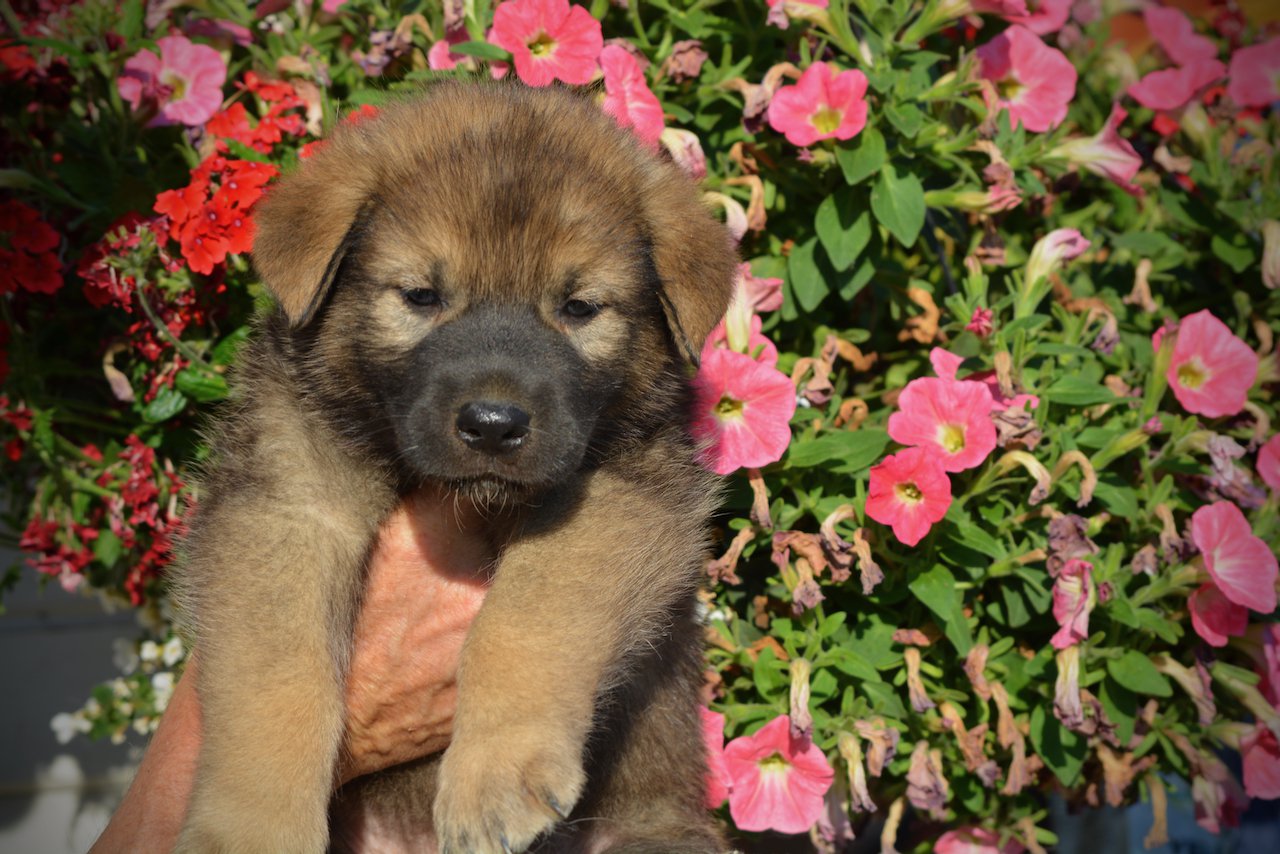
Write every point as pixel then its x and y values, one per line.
pixel 566 606
pixel 274 585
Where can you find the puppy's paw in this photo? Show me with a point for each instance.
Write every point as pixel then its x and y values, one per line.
pixel 498 794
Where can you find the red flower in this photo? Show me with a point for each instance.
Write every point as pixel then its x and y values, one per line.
pixel 909 491
pixel 548 40
pixel 1034 82
pixel 30 260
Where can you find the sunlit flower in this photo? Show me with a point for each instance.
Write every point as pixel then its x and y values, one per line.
pixel 1050 251
pixel 950 417
pixel 1211 370
pixel 548 40
pixel 1067 706
pixel 686 150
pixel 628 97
pixel 825 103
pixel 1255 74
pixel 1215 618
pixel 1269 463
pixel 1241 565
pixel 909 491
pixel 717 774
pixel 1034 82
pixel 1261 754
pixel 777 782
pixel 1073 599
pixel 1106 153
pixel 743 411
pixel 183 84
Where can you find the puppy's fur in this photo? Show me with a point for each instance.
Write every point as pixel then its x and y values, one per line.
pixel 488 244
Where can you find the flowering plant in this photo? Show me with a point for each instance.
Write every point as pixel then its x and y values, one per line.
pixel 1003 345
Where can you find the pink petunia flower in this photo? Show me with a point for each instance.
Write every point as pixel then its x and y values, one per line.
pixel 1061 244
pixel 183 84
pixel 1106 153
pixel 1241 565
pixel 548 40
pixel 1174 32
pixel 825 103
pixel 1255 74
pixel 628 97
pixel 950 418
pixel 1034 82
pixel 1211 370
pixel 947 364
pixel 909 491
pixel 980 323
pixel 1043 16
pixel 742 411
pixel 717 774
pixel 1261 754
pixel 1073 599
pixel 1172 88
pixel 1215 617
pixel 778 782
pixel 975 840
pixel 1269 463
pixel 764 293
pixel 686 150
pixel 754 344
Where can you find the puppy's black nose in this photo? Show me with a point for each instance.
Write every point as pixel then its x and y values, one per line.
pixel 492 428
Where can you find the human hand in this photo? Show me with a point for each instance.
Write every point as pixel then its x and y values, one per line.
pixel 427 579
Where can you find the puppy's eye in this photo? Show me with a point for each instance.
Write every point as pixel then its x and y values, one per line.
pixel 580 309
pixel 422 297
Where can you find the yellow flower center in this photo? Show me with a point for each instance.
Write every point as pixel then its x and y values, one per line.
pixel 951 437
pixel 1010 88
pixel 909 493
pixel 827 120
pixel 542 46
pixel 728 407
pixel 176 84
pixel 775 763
pixel 1192 374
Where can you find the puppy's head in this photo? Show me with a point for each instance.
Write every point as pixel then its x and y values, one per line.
pixel 489 282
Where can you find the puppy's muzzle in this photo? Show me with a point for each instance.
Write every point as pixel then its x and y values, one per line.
pixel 492 427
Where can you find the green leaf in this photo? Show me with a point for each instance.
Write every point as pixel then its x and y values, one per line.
pixel 865 159
pixel 1238 258
pixel 1075 390
pixel 898 203
pixel 843 229
pixel 1121 706
pixel 225 352
pixel 482 50
pixel 1136 672
pixel 884 699
pixel 1162 627
pixel 200 386
pixel 130 26
pixel 167 403
pixel 937 590
pixel 850 663
pixel 907 118
pixel 968 534
pixel 244 152
pixel 1062 750
pixel 1123 612
pixel 805 276
pixel 107 548
pixel 854 450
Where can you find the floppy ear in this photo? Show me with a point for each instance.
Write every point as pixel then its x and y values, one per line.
pixel 305 225
pixel 695 261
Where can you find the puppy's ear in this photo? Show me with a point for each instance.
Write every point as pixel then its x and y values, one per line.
pixel 306 224
pixel 695 261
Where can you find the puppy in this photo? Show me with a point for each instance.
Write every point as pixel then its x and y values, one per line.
pixel 495 293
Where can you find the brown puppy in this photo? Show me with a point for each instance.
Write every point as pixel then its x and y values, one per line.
pixel 492 292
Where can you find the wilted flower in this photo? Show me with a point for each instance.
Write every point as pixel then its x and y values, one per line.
pixel 628 97
pixel 1042 16
pixel 825 103
pixel 1214 617
pixel 742 411
pixel 1211 369
pixel 915 685
pixel 851 751
pixel 777 782
pixel 1106 153
pixel 548 40
pixel 686 150
pixel 927 787
pixel 1255 74
pixel 1057 246
pixel 685 60
pixel 780 9
pixel 183 84
pixel 717 774
pixel 1073 599
pixel 801 718
pixel 1034 82
pixel 909 491
pixel 1066 695
pixel 882 743
pixel 952 418
pixel 1271 253
pixel 1241 565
